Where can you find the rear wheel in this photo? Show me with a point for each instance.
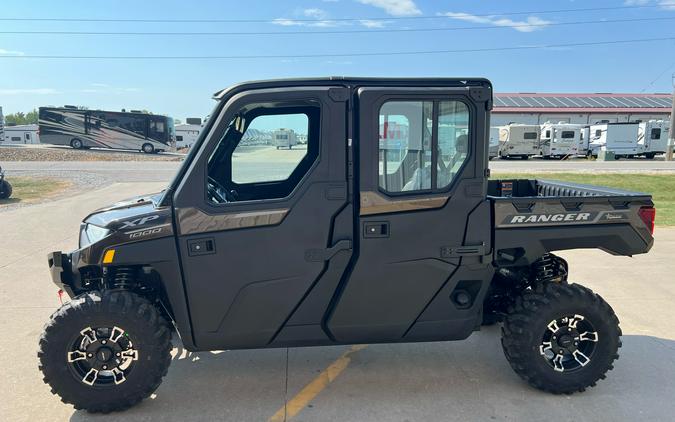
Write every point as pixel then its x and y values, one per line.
pixel 561 338
pixel 5 189
pixel 76 144
pixel 105 351
pixel 148 148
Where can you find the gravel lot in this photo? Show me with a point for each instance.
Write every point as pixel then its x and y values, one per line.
pixel 69 154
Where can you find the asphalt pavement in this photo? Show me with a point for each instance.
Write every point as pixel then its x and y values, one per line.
pixel 449 381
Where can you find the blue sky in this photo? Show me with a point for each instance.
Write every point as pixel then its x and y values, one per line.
pixel 183 88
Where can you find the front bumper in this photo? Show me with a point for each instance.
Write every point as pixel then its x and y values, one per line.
pixel 61 270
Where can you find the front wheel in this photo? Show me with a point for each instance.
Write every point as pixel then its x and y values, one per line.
pixel 148 148
pixel 561 338
pixel 5 189
pixel 105 351
pixel 76 144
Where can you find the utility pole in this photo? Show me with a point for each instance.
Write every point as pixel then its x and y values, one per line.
pixel 671 138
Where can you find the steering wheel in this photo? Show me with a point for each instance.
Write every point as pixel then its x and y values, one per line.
pixel 218 194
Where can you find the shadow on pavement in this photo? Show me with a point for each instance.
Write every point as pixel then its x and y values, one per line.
pixel 468 380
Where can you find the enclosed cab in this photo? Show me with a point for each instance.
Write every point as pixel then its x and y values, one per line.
pixel 518 140
pixel 653 137
pixel 618 138
pixel 559 140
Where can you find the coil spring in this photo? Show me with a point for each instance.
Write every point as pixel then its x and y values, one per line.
pixel 550 268
pixel 125 278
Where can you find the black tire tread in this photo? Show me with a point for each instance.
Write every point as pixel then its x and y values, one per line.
pixel 114 302
pixel 516 331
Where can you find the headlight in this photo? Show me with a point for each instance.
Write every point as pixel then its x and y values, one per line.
pixel 92 234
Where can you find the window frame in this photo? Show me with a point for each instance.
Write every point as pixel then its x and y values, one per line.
pixel 435 100
pixel 655 130
pixel 310 102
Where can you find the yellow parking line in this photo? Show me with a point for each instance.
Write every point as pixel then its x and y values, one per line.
pixel 311 390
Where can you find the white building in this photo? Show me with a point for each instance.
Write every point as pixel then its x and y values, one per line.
pixel 20 135
pixel 584 109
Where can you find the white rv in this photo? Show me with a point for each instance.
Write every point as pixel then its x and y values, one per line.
pixel 493 145
pixel 20 135
pixel 559 140
pixel 584 138
pixel 653 137
pixel 186 134
pixel 284 138
pixel 619 138
pixel 518 140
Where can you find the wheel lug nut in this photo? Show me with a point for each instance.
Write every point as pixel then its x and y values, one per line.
pixel 89 355
pixel 117 354
pixel 105 366
pixel 103 341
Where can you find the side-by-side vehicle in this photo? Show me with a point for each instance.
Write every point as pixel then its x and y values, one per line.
pixel 384 227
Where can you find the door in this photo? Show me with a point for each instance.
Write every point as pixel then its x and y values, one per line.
pixel 423 221
pixel 258 226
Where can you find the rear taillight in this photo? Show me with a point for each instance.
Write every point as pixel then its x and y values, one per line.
pixel 648 215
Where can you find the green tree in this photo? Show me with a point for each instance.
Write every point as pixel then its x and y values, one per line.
pixel 21 118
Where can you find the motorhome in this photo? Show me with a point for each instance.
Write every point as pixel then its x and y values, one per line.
pixel 653 137
pixel 80 128
pixel 559 140
pixel 187 134
pixel 20 135
pixel 518 140
pixel 619 138
pixel 284 138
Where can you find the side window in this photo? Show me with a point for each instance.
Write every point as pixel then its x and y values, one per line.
pixel 567 134
pixel 270 140
pixel 533 135
pixel 656 133
pixel 422 144
pixel 265 152
pixel 157 130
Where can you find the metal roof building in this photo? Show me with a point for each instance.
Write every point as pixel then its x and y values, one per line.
pixel 536 108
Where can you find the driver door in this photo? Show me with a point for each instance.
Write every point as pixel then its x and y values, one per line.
pixel 256 222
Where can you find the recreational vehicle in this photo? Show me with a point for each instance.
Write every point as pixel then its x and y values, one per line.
pixel 518 140
pixel 494 143
pixel 653 137
pixel 558 140
pixel 285 138
pixel 619 138
pixel 187 134
pixel 584 137
pixel 20 135
pixel 106 129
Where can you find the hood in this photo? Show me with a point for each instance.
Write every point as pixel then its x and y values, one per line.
pixel 132 213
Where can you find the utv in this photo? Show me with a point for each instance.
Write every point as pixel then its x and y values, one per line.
pixel 5 186
pixel 384 229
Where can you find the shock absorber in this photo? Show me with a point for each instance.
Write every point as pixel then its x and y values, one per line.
pixel 549 268
pixel 124 278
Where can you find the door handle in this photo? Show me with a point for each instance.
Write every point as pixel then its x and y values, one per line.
pixel 204 246
pixel 319 255
pixel 376 229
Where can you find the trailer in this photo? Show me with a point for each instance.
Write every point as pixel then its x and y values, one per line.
pixel 584 137
pixel 493 150
pixel 558 140
pixel 284 138
pixel 20 135
pixel 619 138
pixel 518 141
pixel 187 134
pixel 653 137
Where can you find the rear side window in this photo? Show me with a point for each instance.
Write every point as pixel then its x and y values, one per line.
pixel 567 134
pixel 422 144
pixel 656 133
pixel 531 135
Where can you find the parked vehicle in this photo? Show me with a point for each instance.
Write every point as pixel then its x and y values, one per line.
pixel 653 137
pixel 519 141
pixel 5 186
pixel 584 139
pixel 494 143
pixel 619 138
pixel 106 129
pixel 558 140
pixel 339 250
pixel 20 135
pixel 284 138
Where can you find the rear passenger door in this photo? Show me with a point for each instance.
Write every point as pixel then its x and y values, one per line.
pixel 422 158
